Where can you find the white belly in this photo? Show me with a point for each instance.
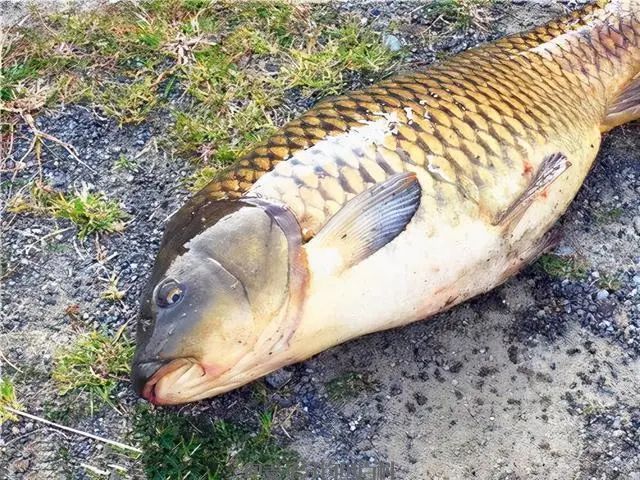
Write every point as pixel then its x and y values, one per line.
pixel 429 267
pixel 411 278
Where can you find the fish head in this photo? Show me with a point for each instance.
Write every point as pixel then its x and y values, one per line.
pixel 218 300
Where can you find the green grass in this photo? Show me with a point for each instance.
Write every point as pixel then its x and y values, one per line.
pixel 348 48
pixel 220 70
pixel 572 267
pixel 610 282
pixel 8 399
pixel 461 14
pixel 91 212
pixel 94 364
pixel 348 385
pixel 178 447
pixel 124 163
pixel 112 292
pixel 129 102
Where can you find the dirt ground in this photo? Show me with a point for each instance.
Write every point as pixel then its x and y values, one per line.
pixel 539 379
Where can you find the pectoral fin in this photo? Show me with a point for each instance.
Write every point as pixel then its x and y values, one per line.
pixel 551 168
pixel 368 221
pixel 625 108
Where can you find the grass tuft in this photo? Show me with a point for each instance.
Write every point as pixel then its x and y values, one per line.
pixel 610 282
pixel 461 14
pixel 124 163
pixel 557 266
pixel 8 399
pixel 320 69
pixel 112 292
pixel 94 364
pixel 90 212
pixel 131 102
pixel 178 447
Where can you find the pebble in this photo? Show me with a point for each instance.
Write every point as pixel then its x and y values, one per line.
pixel 392 43
pixel 636 225
pixel 602 295
pixel 278 379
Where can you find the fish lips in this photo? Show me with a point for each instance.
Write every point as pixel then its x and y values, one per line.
pixel 146 376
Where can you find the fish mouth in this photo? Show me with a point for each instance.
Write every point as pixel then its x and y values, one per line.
pixel 171 383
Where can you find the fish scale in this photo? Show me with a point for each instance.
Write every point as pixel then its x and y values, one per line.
pixel 477 124
pixel 385 206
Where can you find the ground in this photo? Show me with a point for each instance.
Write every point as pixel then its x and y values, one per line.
pixel 538 379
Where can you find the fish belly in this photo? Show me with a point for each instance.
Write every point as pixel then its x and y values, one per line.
pixel 434 264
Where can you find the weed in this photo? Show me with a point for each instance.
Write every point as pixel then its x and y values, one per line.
pixel 90 212
pixel 348 385
pixel 112 292
pixel 65 411
pixel 563 267
pixel 461 14
pixel 8 399
pixel 349 48
pixel 125 163
pixel 593 408
pixel 609 282
pixel 94 364
pixel 200 178
pixel 129 102
pixel 177 447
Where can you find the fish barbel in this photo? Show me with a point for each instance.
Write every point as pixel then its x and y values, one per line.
pixel 385 205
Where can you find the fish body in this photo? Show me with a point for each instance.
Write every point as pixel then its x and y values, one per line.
pixel 402 199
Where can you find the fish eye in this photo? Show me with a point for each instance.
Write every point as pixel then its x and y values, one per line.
pixel 169 293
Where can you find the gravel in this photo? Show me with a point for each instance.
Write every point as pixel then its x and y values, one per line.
pixel 537 379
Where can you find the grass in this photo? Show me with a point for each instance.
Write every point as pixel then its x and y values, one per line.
pixel 221 71
pixel 348 48
pixel 461 14
pixel 572 267
pixel 112 292
pixel 124 163
pixel 610 282
pixel 178 447
pixel 8 399
pixel 348 385
pixel 91 212
pixel 94 364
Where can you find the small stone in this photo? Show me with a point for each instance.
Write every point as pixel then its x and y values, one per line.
pixel 392 43
pixel 602 295
pixel 278 379
pixel 636 224
pixel 618 433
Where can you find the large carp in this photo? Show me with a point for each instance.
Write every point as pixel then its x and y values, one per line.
pixel 384 206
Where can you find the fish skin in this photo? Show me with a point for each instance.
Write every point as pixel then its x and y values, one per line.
pixel 479 123
pixel 499 140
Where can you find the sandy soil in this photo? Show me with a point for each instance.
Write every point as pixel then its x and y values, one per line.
pixel 539 379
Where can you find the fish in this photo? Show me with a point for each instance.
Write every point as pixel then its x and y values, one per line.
pixel 385 205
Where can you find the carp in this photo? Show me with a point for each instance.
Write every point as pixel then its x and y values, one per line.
pixel 385 205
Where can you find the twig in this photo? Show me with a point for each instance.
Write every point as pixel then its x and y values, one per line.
pixel 73 430
pixel 95 470
pixel 9 363
pixel 48 235
pixel 40 134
